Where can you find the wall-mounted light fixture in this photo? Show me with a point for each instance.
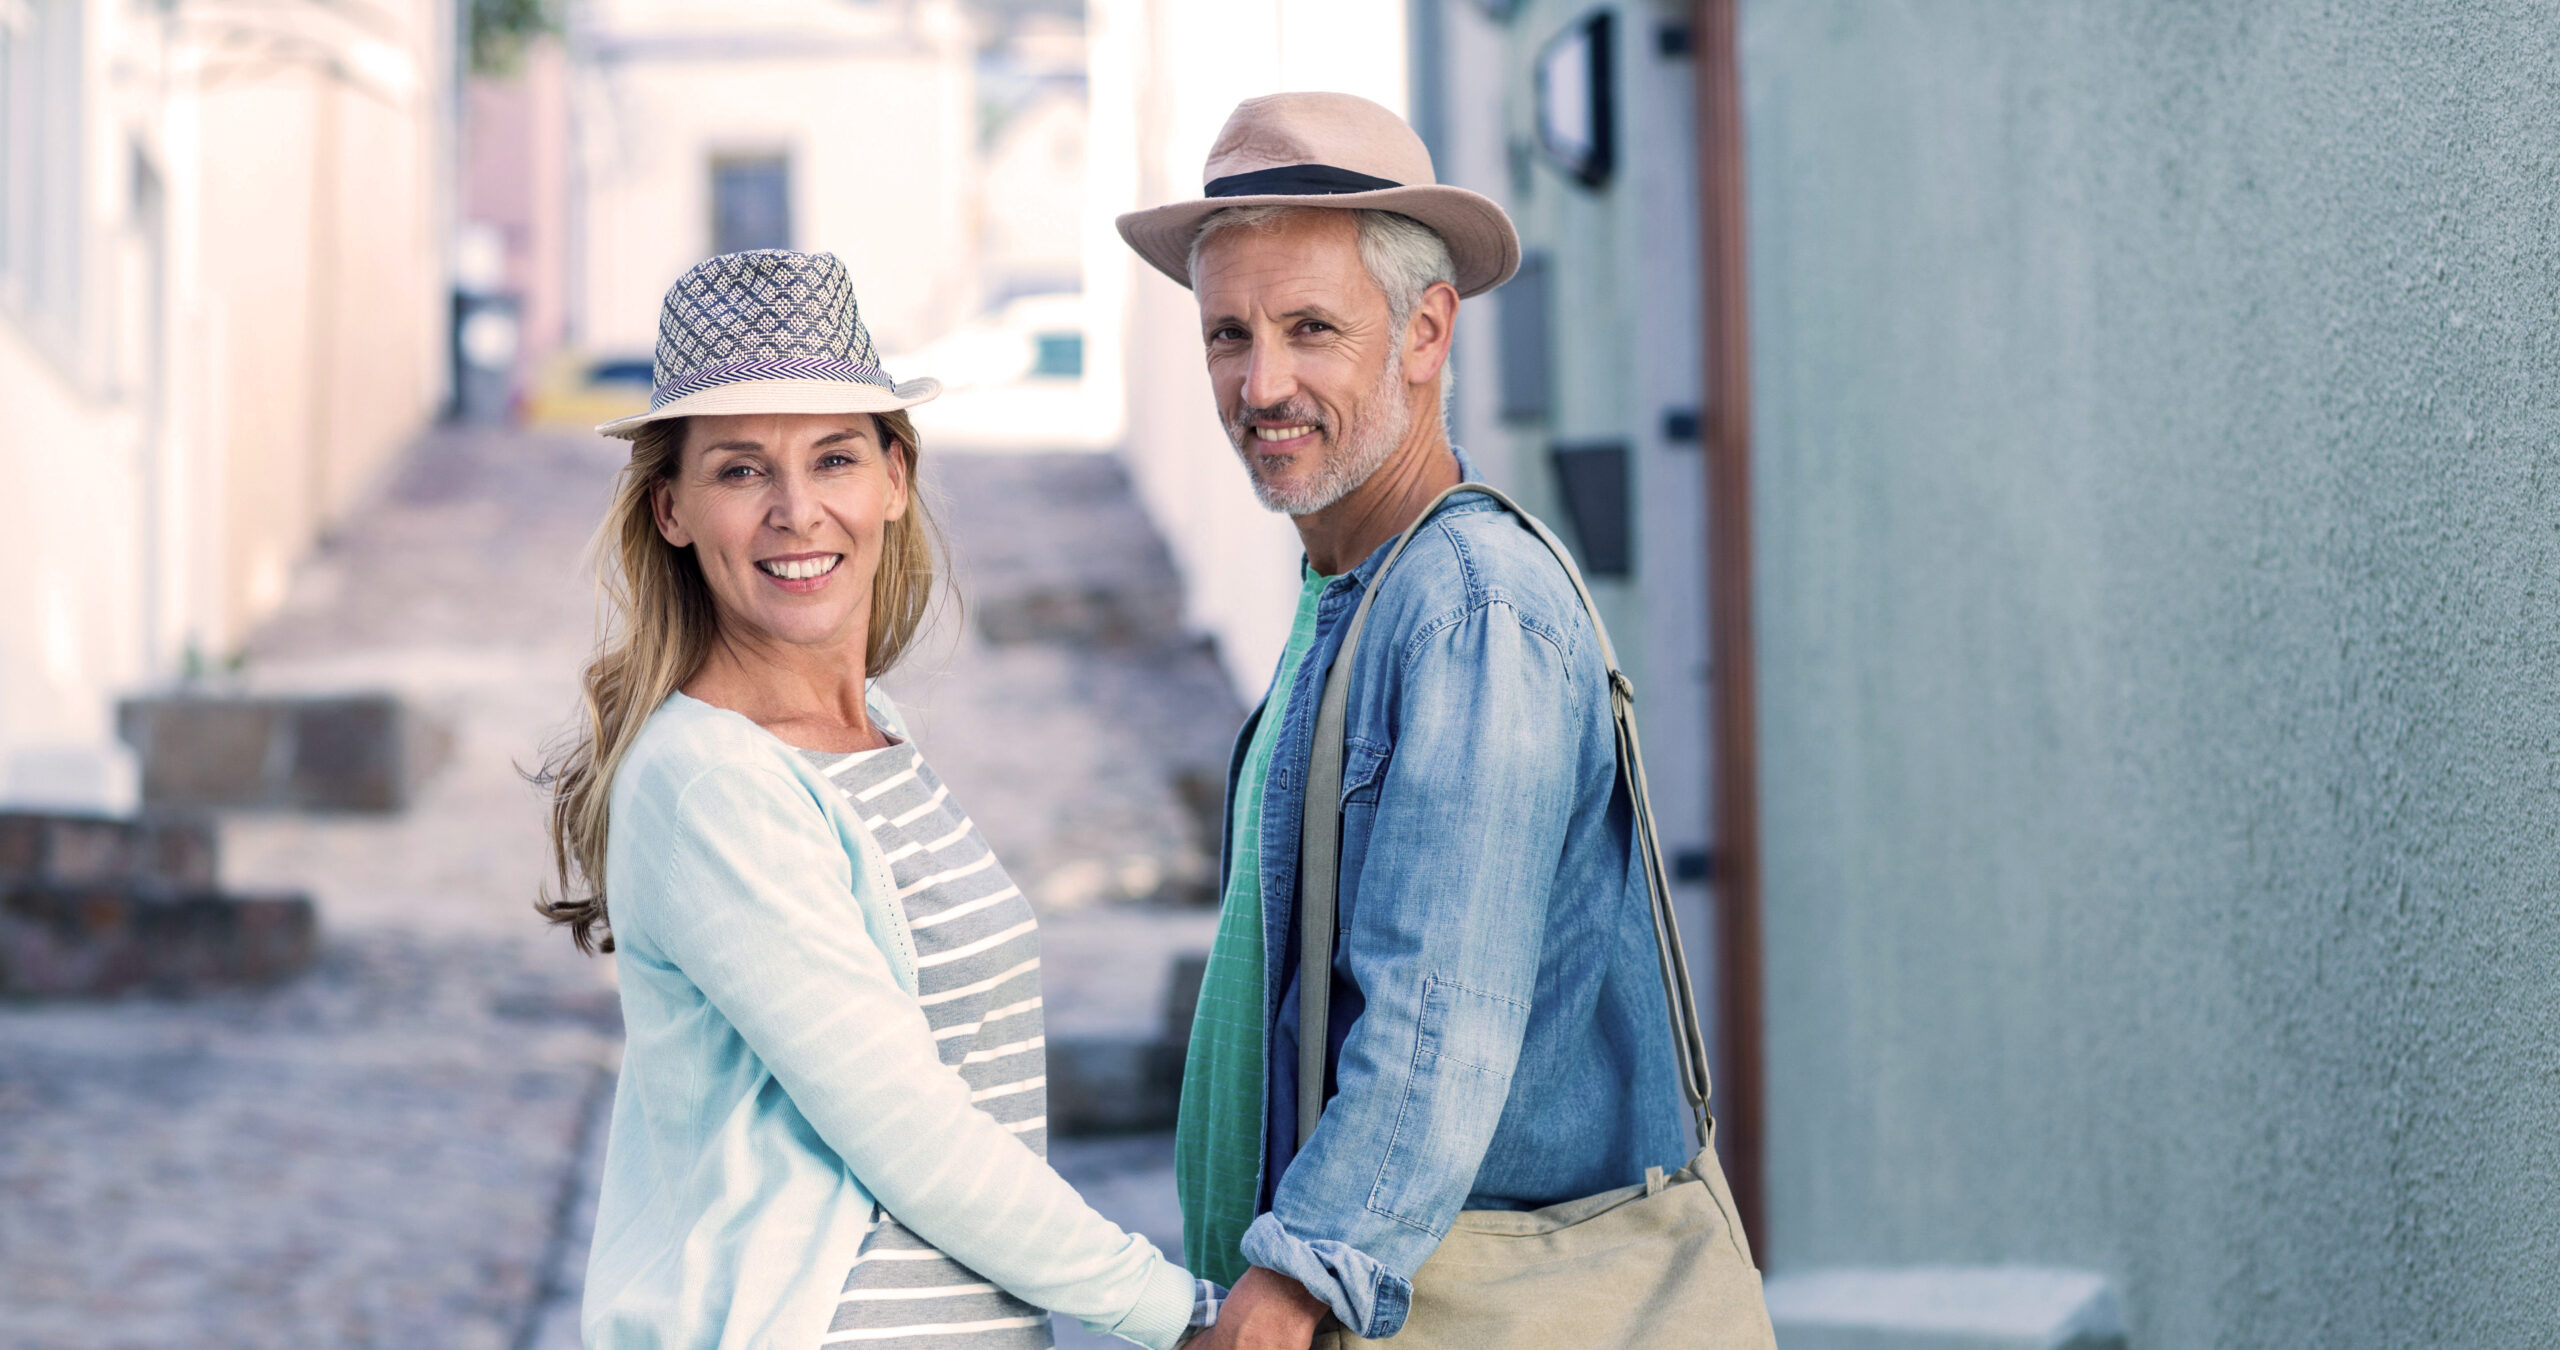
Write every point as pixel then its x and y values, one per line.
pixel 1577 106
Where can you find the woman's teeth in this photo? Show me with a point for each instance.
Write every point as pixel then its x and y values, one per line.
pixel 1280 433
pixel 801 569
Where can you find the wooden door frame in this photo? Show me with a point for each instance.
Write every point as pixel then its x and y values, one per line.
pixel 1740 1098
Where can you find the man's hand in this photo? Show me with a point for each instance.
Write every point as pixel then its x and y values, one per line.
pixel 1265 1311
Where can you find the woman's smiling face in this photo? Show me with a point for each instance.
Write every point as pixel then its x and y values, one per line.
pixel 785 514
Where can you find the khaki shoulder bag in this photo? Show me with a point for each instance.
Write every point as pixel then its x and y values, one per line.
pixel 1660 1263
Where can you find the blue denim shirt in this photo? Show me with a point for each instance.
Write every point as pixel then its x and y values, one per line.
pixel 1499 1037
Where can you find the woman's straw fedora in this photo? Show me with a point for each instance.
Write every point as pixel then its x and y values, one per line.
pixel 1330 150
pixel 767 331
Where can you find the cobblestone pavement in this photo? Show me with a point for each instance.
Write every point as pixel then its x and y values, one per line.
pixel 395 1149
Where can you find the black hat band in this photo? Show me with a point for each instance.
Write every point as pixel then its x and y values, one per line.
pixel 1296 180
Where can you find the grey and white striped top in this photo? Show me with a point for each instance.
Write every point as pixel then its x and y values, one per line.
pixel 978 977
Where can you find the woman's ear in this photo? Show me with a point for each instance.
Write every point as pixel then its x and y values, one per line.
pixel 899 456
pixel 662 506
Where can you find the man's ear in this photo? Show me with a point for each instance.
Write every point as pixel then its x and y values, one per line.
pixel 1427 337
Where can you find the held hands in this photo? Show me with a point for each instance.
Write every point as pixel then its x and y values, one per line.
pixel 1265 1311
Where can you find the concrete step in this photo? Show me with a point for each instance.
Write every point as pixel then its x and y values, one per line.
pixel 1945 1308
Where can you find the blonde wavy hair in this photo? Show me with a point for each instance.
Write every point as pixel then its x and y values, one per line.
pixel 656 625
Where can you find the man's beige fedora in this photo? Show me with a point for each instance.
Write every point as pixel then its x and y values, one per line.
pixel 1329 150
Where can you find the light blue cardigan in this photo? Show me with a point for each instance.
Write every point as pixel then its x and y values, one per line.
pixel 778 1075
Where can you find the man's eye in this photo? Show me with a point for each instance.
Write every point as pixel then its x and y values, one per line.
pixel 1315 326
pixel 1230 333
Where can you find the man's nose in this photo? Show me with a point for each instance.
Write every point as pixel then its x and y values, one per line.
pixel 1270 378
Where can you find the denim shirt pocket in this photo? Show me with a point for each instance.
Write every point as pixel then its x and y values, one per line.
pixel 1450 1094
pixel 1364 767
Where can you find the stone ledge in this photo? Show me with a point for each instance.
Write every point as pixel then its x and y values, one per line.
pixel 1113 1085
pixel 67 940
pixel 180 851
pixel 1123 1084
pixel 343 752
pixel 1945 1308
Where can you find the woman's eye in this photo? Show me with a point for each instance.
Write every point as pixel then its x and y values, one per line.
pixel 738 471
pixel 836 462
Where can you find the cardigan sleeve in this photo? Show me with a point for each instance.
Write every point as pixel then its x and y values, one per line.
pixel 752 901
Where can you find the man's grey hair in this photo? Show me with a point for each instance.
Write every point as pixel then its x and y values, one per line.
pixel 1403 255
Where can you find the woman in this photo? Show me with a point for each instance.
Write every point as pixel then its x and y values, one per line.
pixel 830 1124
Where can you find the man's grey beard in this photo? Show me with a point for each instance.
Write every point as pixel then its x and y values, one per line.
pixel 1351 456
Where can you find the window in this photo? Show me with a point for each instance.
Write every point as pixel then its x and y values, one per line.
pixel 39 165
pixel 1524 332
pixel 1058 355
pixel 750 202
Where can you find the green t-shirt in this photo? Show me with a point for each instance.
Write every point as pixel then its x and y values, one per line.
pixel 1217 1141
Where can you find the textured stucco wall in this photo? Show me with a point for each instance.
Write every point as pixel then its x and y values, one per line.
pixel 2158 510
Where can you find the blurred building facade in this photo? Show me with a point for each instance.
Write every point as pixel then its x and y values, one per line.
pixel 512 247
pixel 813 124
pixel 1034 126
pixel 221 309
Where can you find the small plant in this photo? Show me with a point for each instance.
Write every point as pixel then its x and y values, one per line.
pixel 501 29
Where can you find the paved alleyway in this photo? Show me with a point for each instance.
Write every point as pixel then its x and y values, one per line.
pixel 391 1150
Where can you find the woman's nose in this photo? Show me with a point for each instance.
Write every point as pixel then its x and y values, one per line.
pixel 794 505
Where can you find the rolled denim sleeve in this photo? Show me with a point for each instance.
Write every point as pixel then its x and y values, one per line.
pixel 1443 942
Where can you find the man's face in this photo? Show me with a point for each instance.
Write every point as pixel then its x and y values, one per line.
pixel 1303 357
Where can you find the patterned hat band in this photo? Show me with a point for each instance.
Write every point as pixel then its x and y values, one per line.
pixel 770 368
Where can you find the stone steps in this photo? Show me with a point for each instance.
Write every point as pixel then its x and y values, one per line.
pixel 93 905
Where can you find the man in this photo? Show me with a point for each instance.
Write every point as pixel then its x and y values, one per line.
pixel 1497 1038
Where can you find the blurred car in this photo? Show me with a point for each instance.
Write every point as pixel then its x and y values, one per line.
pixel 581 390
pixel 1034 338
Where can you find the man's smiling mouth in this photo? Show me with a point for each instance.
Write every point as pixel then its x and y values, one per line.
pixel 800 569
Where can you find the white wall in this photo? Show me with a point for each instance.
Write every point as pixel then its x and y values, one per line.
pixel 68 626
pixel 214 369
pixel 1165 74
pixel 1032 223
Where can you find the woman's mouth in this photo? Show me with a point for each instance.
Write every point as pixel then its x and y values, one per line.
pixel 804 573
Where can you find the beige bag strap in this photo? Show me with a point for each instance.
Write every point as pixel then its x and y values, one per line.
pixel 1320 843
